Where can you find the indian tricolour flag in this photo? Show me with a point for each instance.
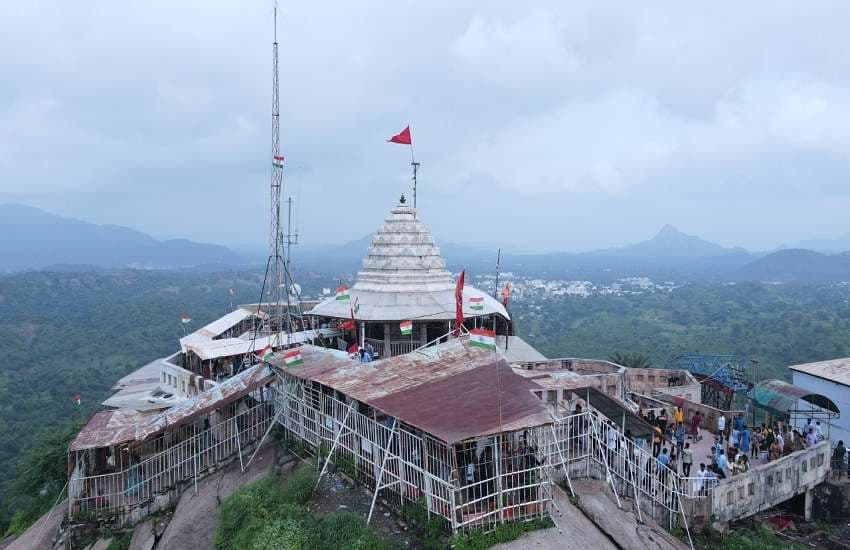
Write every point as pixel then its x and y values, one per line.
pixel 185 319
pixel 266 354
pixel 406 328
pixel 342 293
pixel 476 303
pixel 277 160
pixel 483 338
pixel 292 357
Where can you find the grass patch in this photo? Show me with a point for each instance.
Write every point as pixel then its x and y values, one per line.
pixel 479 540
pixel 759 538
pixel 271 514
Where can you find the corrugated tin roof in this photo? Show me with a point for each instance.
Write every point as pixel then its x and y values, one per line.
pixel 517 350
pixel 834 370
pixel 450 391
pixel 108 428
pixel 780 397
pixel 229 347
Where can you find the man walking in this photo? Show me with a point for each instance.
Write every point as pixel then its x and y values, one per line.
pixel 721 427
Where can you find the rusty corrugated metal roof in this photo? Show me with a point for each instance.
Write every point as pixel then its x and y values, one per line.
pixel 112 427
pixel 449 391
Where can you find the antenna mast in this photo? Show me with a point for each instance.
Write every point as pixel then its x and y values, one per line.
pixel 276 258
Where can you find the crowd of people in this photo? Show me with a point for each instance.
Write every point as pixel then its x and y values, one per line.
pixel 736 445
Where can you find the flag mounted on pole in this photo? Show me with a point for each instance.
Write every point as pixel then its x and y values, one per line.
pixel 342 293
pixel 406 328
pixel 266 354
pixel 185 319
pixel 476 303
pixel 459 303
pixel 482 338
pixel 77 400
pixel 402 137
pixel 506 294
pixel 277 160
pixel 292 357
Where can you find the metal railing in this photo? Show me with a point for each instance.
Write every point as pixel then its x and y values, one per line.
pixel 116 493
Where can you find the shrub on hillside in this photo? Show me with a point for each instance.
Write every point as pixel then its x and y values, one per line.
pixel 349 531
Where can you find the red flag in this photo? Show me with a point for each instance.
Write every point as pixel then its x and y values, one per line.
pixel 459 303
pixel 403 137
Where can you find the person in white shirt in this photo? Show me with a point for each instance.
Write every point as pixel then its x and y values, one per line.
pixel 818 430
pixel 721 427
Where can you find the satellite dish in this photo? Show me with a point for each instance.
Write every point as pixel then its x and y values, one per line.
pixel 295 289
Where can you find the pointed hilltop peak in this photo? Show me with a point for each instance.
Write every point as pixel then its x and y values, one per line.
pixel 669 231
pixel 670 236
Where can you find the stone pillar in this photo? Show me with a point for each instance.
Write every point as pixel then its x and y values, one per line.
pixel 387 352
pixel 423 333
pixel 807 507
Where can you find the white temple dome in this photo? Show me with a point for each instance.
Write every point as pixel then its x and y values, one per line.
pixel 404 277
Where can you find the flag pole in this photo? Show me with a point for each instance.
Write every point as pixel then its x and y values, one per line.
pixel 415 166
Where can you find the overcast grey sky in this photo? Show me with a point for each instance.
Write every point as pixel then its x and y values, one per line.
pixel 551 125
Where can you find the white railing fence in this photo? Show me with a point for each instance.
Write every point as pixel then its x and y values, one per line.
pixel 114 494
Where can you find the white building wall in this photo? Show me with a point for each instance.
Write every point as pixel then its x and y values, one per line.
pixel 177 378
pixel 839 428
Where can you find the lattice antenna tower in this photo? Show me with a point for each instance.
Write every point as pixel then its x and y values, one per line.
pixel 276 274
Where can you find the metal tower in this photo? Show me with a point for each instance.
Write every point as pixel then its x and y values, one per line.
pixel 278 285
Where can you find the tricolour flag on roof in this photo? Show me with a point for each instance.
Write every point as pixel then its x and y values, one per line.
pixel 476 303
pixel 266 354
pixel 483 338
pixel 342 293
pixel 292 357
pixel 277 160
pixel 185 319
pixel 406 328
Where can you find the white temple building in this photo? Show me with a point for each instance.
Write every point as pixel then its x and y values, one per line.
pixel 404 278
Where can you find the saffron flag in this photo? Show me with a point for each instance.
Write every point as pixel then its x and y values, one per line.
pixel 266 354
pixel 185 319
pixel 342 293
pixel 476 303
pixel 292 357
pixel 406 328
pixel 506 294
pixel 77 399
pixel 483 338
pixel 459 303
pixel 277 160
pixel 402 137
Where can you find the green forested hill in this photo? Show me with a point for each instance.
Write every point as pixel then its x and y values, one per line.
pixel 68 333
pixel 778 325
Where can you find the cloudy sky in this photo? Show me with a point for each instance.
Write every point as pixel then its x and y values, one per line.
pixel 542 125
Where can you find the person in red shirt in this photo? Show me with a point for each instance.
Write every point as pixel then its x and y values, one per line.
pixel 695 422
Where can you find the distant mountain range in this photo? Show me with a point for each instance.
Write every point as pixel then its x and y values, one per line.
pixel 31 238
pixel 35 239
